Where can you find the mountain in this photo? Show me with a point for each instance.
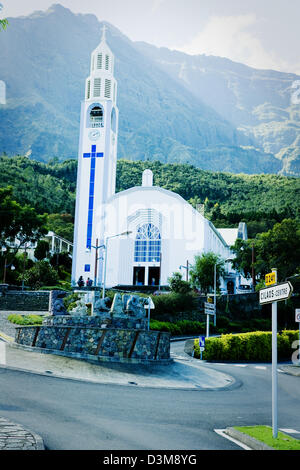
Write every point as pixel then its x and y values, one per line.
pixel 44 61
pixel 258 102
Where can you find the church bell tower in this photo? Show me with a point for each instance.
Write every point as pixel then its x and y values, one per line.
pixel 97 156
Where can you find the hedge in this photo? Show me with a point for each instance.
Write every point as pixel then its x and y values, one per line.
pixel 181 327
pixel 254 346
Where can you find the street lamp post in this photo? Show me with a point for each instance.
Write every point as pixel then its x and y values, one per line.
pixel 105 256
pixel 187 267
pixel 96 247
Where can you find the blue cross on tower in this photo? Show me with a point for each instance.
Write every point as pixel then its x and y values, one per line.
pixel 92 155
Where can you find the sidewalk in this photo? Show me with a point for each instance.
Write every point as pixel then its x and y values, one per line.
pixel 15 437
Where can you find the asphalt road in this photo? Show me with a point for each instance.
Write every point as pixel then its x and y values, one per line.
pixel 74 415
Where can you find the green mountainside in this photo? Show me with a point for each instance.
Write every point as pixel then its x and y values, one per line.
pixel 44 62
pixel 259 200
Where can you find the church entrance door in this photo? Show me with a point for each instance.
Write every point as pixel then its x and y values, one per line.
pixel 139 275
pixel 153 275
pixel 230 287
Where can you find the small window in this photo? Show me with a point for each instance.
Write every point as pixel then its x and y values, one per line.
pixel 96 117
pixel 106 62
pixel 99 61
pixel 97 87
pixel 88 93
pixel 107 88
pixel 87 268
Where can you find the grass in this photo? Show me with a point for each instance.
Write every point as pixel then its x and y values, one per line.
pixel 265 434
pixel 26 320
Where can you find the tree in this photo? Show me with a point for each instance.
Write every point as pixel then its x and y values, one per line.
pixel 279 248
pixel 41 250
pixel 202 273
pixel 18 222
pixel 40 274
pixel 62 224
pixel 243 257
pixel 178 285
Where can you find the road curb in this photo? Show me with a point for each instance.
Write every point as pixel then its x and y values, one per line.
pixel 14 436
pixel 6 338
pixel 248 440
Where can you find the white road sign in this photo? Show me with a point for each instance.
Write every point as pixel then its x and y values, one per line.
pixel 209 306
pixel 149 303
pixel 297 316
pixel 209 312
pixel 275 293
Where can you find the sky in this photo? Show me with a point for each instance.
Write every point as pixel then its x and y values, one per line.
pixel 261 33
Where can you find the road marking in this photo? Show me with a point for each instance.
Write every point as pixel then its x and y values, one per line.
pixel 261 367
pixel 222 433
pixel 289 431
pixel 240 365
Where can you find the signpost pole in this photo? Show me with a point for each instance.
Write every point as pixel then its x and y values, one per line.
pixel 207 326
pixel 273 295
pixel 274 371
pixel 274 367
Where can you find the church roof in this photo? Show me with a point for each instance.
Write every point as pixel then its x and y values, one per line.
pixel 229 235
pixel 175 196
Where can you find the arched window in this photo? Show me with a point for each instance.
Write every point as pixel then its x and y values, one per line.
pixel 95 116
pixel 147 244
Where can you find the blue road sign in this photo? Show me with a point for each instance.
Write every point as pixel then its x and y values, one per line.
pixel 202 341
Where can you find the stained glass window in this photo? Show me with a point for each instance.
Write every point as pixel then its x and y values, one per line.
pixel 147 244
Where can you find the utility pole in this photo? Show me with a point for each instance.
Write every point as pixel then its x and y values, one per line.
pixel 215 292
pixel 96 263
pixel 253 273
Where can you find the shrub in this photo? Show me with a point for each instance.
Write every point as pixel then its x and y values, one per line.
pixel 173 302
pixel 254 346
pixel 70 301
pixel 178 285
pixel 179 328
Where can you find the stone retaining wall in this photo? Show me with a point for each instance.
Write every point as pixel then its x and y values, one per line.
pixel 104 321
pixel 33 301
pixel 121 345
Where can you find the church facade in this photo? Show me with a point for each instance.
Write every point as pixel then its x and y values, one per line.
pixel 142 235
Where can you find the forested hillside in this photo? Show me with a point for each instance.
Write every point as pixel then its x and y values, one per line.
pixel 259 200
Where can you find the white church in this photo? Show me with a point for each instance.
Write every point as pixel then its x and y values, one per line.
pixel 142 235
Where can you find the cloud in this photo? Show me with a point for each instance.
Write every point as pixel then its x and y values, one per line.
pixel 236 37
pixel 156 4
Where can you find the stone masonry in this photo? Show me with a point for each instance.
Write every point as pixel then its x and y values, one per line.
pixel 15 437
pixel 119 333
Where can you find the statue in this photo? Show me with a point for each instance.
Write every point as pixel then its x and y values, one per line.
pixel 57 306
pixel 117 308
pixel 80 309
pixel 134 307
pixel 100 306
